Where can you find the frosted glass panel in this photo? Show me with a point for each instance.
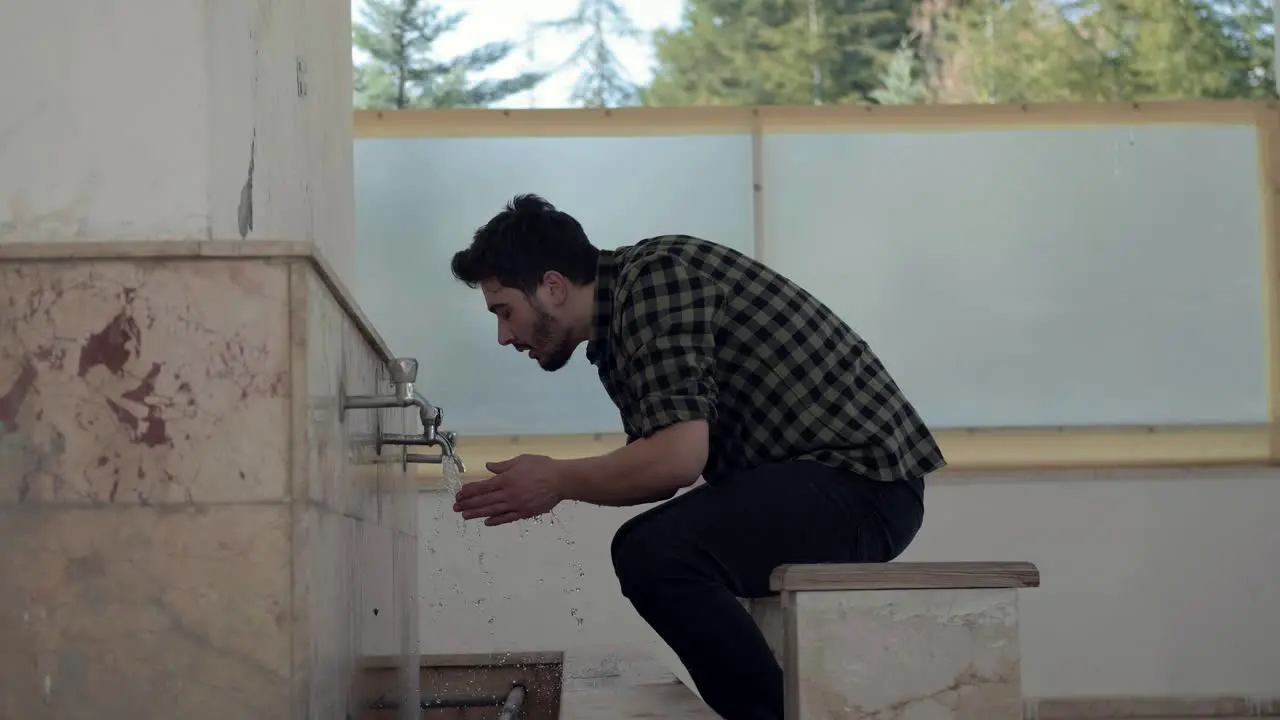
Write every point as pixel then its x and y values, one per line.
pixel 1038 277
pixel 419 200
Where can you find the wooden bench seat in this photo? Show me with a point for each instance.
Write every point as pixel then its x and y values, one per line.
pixel 892 641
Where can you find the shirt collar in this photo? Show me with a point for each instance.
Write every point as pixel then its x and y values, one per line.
pixel 606 271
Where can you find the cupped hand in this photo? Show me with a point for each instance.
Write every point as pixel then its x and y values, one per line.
pixel 523 487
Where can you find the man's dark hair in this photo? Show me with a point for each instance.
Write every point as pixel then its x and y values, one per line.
pixel 523 242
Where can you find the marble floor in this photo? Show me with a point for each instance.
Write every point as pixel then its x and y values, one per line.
pixel 649 702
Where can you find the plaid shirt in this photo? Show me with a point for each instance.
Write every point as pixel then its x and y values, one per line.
pixel 688 329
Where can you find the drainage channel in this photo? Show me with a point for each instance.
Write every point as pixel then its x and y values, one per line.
pixel 512 703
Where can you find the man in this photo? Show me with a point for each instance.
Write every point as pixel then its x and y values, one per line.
pixel 724 369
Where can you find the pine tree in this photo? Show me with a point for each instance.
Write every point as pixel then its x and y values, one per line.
pixel 900 84
pixel 402 72
pixel 1101 50
pixel 603 81
pixel 1250 28
pixel 862 37
pixel 722 53
pixel 768 52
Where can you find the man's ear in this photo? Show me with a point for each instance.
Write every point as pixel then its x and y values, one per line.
pixel 556 287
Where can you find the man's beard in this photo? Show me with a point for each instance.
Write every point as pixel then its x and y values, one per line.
pixel 553 352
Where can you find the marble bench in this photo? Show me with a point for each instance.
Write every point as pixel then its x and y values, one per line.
pixel 898 641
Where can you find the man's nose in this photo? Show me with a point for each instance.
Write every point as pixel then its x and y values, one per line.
pixel 504 335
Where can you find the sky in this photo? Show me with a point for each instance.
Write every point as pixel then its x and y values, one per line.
pixel 490 20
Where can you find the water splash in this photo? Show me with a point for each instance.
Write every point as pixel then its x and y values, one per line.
pixel 452 478
pixel 491 597
pixel 573 582
pixel 489 579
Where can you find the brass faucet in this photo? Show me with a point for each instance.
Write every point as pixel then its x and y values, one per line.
pixel 404 373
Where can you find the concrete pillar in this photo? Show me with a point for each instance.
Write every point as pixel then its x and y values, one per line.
pixel 177 120
pixel 190 524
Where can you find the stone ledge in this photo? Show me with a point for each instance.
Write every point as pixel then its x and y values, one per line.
pixel 903 576
pixel 202 249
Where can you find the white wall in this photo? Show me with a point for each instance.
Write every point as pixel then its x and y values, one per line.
pixel 532 587
pixel 1021 272
pixel 1155 583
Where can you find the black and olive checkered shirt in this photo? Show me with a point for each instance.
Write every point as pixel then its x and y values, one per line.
pixel 688 329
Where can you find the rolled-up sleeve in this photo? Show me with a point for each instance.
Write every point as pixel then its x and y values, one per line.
pixel 667 327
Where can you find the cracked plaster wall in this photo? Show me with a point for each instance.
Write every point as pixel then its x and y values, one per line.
pixel 178 120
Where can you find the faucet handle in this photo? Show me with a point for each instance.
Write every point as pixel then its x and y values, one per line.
pixel 403 370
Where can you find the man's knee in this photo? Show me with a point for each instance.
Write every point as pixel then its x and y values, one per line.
pixel 642 557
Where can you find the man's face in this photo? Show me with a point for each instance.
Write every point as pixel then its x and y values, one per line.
pixel 531 324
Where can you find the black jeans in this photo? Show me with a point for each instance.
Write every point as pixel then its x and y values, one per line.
pixel 684 563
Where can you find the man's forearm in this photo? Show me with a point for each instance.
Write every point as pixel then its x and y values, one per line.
pixel 647 470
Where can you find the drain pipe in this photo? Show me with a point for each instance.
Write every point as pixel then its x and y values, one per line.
pixel 514 703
